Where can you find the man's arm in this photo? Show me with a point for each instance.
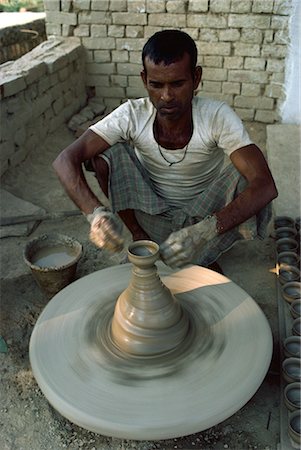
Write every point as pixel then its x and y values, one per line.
pixel 68 166
pixel 261 189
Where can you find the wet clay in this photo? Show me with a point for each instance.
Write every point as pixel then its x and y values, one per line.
pixel 99 386
pixel 55 256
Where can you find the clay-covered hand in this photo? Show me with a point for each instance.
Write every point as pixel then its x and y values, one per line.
pixel 105 231
pixel 185 246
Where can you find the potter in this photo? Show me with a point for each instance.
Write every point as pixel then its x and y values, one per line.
pixel 160 160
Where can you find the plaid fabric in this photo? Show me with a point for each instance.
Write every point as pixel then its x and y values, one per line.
pixel 131 188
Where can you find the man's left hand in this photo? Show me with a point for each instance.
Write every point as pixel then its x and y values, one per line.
pixel 185 246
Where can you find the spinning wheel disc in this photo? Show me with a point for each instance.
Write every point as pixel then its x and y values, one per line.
pixel 214 373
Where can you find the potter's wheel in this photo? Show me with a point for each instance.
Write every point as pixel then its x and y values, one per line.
pixel 215 371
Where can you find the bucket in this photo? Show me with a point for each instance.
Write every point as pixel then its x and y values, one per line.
pixel 53 260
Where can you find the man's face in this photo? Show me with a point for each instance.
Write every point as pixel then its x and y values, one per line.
pixel 171 88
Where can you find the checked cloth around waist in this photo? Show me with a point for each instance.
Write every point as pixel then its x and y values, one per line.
pixel 131 188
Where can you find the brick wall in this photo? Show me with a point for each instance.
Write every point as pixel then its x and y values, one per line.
pixel 242 45
pixel 39 92
pixel 17 40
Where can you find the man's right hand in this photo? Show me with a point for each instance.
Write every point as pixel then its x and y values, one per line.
pixel 105 230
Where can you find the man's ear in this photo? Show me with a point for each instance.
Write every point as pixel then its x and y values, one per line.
pixel 197 77
pixel 143 77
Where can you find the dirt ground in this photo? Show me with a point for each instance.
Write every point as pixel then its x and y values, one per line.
pixel 27 420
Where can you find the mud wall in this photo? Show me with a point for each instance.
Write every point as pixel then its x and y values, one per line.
pixel 39 91
pixel 242 46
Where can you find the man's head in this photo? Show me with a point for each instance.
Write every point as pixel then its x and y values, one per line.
pixel 169 46
pixel 170 74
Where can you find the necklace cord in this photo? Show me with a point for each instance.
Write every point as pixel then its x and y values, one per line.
pixel 174 162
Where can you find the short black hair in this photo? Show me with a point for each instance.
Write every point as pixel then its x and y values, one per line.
pixel 169 46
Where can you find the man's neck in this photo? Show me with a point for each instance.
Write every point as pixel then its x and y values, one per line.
pixel 173 134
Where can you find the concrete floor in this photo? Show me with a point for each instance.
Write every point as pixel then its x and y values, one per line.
pixel 28 421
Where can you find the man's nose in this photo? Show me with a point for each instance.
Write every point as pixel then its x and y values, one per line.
pixel 167 94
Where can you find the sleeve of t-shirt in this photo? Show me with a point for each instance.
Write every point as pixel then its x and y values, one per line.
pixel 115 126
pixel 229 131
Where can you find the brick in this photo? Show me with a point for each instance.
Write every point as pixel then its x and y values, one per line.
pixel 137 6
pixel 63 74
pixel 233 62
pixel 135 92
pixel 93 17
pixel 125 18
pixel 277 77
pixel 282 7
pixel 149 31
pixel 155 6
pixel 268 36
pixel 198 5
pixel 118 5
pixel 262 6
pixel 134 31
pixel 245 113
pixel 61 17
pixel 120 56
pixel 246 49
pixel 282 37
pixel 167 20
pixel 67 30
pixel 207 21
pixel 220 6
pixel 135 57
pixel 134 81
pixel 249 35
pixel 209 35
pixel 265 116
pixel 79 5
pixel 250 89
pixel 247 76
pixel 53 29
pixel 98 31
pixel 279 22
pixel 66 5
pixel 255 63
pixel 241 6
pixel 175 6
pixel 100 5
pixel 97 80
pixel 254 102
pixel 51 5
pixel 232 34
pixel 193 32
pixel 119 80
pixel 230 88
pixel 214 74
pixel 130 44
pixel 95 68
pixel 219 48
pixel 249 21
pixel 128 69
pixel 116 31
pixel 228 98
pixel 82 31
pixel 213 61
pixel 275 91
pixel 57 105
pixel 98 44
pixel 274 51
pixel 212 86
pixel 275 65
pixel 11 85
pixel 112 92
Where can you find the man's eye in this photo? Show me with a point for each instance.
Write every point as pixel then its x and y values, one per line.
pixel 155 85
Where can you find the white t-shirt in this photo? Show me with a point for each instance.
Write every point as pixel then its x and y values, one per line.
pixel 217 131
